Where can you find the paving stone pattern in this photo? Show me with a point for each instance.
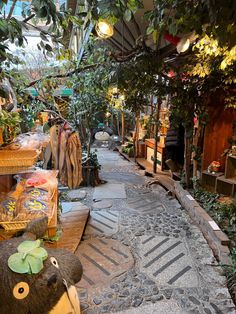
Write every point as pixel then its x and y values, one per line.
pixel 103 222
pixel 166 260
pixel 174 270
pixel 103 259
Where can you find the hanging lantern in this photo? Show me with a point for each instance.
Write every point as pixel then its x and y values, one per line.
pixel 183 45
pixel 104 29
pixel 185 42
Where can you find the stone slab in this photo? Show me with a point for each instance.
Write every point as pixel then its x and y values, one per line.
pixel 102 204
pixel 77 194
pixel 161 307
pixel 123 177
pixel 102 260
pixel 167 261
pixel 103 222
pixel 145 205
pixel 71 206
pixel 109 190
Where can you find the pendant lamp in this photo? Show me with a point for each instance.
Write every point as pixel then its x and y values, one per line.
pixel 183 45
pixel 104 29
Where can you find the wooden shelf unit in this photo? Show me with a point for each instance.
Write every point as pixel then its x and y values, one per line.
pixel 222 183
pixel 149 144
pixel 209 180
pixel 230 167
pixel 226 186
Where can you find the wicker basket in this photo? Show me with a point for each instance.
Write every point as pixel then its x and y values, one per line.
pixel 11 226
pixel 17 225
pixel 18 158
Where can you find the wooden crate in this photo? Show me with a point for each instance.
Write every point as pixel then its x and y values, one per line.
pixel 230 167
pixel 225 186
pixel 141 150
pixel 209 180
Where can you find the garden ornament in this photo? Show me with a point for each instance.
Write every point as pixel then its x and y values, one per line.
pixel 35 280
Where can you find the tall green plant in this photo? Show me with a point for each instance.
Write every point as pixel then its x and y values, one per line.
pixel 90 89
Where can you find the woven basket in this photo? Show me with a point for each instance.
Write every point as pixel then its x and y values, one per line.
pixel 14 225
pixel 17 225
pixel 18 158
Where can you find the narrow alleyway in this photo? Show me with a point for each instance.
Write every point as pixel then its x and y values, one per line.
pixel 141 253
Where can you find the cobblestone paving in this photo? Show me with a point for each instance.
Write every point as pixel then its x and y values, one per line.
pixel 185 270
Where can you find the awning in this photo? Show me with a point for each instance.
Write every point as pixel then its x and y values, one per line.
pixel 60 92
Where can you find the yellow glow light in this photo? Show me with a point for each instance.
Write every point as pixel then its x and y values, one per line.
pixel 107 114
pixel 104 29
pixel 183 45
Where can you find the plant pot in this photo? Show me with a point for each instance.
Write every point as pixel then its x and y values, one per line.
pixel 215 169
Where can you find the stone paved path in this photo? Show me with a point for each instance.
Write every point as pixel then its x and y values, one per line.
pixel 142 253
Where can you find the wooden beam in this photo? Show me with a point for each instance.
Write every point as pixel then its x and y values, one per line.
pixel 123 37
pixel 117 44
pixel 129 31
pixel 112 43
pixel 137 27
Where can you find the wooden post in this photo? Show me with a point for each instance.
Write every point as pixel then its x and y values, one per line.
pixel 195 143
pixel 187 156
pixel 157 113
pixel 136 136
pixel 118 123
pixel 123 126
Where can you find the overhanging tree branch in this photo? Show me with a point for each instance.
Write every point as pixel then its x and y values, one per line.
pixel 90 66
pixel 11 9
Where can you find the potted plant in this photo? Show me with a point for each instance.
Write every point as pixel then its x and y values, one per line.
pixel 214 166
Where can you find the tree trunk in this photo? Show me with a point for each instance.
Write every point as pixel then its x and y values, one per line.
pixel 195 144
pixel 187 156
pixel 123 126
pixel 118 123
pixel 89 130
pixel 82 132
pixel 136 136
pixel 11 9
pixel 89 144
pixel 157 113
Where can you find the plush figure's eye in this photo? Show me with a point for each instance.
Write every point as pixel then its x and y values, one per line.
pixel 54 262
pixel 21 290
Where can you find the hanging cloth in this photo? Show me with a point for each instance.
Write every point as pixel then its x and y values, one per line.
pixel 74 161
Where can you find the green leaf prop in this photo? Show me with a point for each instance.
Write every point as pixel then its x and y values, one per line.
pixel 28 246
pixel 18 264
pixel 29 259
pixel 36 264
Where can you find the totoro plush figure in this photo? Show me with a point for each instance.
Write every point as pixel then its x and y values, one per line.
pixel 34 280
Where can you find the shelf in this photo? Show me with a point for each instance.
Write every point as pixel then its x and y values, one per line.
pixel 216 174
pixel 230 167
pixel 209 180
pixel 15 170
pixel 225 186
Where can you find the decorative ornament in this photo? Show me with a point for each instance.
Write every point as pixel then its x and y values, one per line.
pixel 29 259
pixel 183 45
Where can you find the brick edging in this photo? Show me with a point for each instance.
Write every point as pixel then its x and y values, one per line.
pixel 217 240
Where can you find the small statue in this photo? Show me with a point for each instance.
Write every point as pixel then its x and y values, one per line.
pixel 37 280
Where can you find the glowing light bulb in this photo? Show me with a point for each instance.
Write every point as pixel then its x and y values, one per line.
pixel 183 45
pixel 104 29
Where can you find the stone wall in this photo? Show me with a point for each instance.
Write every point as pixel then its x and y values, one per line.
pixel 217 240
